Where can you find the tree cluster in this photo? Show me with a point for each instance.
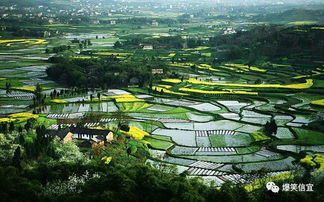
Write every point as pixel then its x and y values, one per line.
pixel 102 72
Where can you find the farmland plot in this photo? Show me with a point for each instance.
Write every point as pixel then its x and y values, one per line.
pixel 233 106
pixel 233 159
pixel 237 140
pixel 205 107
pixel 299 148
pixel 181 137
pixel 284 133
pixel 198 117
pixel 212 125
pixel 276 165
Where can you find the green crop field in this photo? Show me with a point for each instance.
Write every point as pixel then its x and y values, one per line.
pixel 106 96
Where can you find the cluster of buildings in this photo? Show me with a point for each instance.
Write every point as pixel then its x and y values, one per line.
pixel 88 137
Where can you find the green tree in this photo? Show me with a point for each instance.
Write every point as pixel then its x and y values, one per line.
pixel 16 158
pixel 11 126
pixel 8 87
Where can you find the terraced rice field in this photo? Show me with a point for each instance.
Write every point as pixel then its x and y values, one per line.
pixel 211 122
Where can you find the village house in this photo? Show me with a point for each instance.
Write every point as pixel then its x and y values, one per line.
pixel 149 47
pixel 85 134
pixel 155 23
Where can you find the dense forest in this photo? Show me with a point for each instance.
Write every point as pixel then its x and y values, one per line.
pixel 110 183
pixel 271 41
pixel 43 168
pixel 291 15
pixel 102 72
pixel 139 41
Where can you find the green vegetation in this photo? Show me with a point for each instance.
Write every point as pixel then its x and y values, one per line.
pixel 259 136
pixel 197 102
pixel 157 143
pixel 230 141
pixel 99 72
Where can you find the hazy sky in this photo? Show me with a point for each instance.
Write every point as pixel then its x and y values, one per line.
pixel 241 1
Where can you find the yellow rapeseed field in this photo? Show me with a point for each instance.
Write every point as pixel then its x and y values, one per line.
pixel 136 133
pixel 125 98
pixel 6 120
pixel 128 100
pixel 308 160
pixel 26 88
pixel 307 84
pixel 318 102
pixel 317 159
pixel 23 116
pixel 9 42
pixel 217 92
pixel 159 89
pixel 58 101
pixel 206 54
pixel 172 80
pixel 200 66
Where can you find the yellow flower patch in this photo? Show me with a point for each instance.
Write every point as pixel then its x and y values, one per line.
pixel 159 89
pixel 106 159
pixel 172 80
pixel 307 84
pixel 136 133
pixel 6 120
pixel 314 73
pixel 58 101
pixel 319 158
pixel 200 66
pixel 133 106
pixel 206 54
pixel 40 41
pixel 245 68
pixel 318 102
pixel 259 136
pixel 9 42
pixel 26 88
pixel 128 100
pixel 23 116
pixel 308 160
pixel 217 92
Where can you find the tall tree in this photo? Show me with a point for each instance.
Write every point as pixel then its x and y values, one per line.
pixel 16 158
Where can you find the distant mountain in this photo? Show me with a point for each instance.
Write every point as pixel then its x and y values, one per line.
pixel 17 2
pixel 292 15
pixel 25 3
pixel 35 3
